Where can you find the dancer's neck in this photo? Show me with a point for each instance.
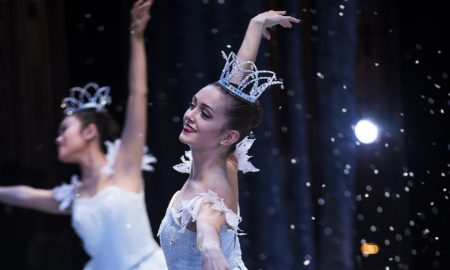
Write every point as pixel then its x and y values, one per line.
pixel 92 161
pixel 207 162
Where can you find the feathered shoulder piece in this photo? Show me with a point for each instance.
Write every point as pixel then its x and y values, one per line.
pixel 241 154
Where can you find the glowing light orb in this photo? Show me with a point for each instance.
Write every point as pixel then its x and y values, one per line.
pixel 369 248
pixel 366 131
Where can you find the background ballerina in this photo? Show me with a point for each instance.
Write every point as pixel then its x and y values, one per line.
pixel 107 206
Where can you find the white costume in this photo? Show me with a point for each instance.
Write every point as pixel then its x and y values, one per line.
pixel 179 243
pixel 113 224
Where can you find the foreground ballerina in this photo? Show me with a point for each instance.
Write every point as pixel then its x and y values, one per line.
pixel 200 228
pixel 107 206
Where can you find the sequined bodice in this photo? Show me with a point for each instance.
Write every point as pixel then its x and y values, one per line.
pixel 180 244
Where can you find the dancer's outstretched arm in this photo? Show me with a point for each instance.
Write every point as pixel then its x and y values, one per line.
pixel 31 198
pixel 257 28
pixel 128 163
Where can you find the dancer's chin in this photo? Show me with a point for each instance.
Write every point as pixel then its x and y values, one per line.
pixel 183 138
pixel 61 156
pixel 186 139
pixel 64 158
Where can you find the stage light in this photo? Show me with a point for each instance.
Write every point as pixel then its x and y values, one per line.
pixel 369 248
pixel 366 131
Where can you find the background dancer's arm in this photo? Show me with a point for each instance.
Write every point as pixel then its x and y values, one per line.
pixel 128 163
pixel 31 198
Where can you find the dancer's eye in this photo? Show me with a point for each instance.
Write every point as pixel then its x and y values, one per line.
pixel 61 130
pixel 205 115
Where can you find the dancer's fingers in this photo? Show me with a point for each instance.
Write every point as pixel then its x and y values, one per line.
pixel 293 19
pixel 147 3
pixel 146 6
pixel 286 24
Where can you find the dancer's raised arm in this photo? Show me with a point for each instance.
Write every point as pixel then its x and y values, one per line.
pixel 134 134
pixel 257 28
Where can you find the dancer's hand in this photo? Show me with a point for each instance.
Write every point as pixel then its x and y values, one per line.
pixel 213 258
pixel 140 16
pixel 257 28
pixel 271 18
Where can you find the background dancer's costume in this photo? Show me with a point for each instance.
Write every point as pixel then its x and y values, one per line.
pixel 113 225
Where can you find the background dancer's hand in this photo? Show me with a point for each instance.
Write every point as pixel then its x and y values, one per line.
pixel 140 16
pixel 272 18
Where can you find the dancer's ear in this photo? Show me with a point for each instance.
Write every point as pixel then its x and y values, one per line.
pixel 90 132
pixel 230 137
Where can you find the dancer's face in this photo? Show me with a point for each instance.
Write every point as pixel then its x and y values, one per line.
pixel 70 140
pixel 205 119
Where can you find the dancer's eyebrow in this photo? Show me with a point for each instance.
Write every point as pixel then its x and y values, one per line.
pixel 203 104
pixel 207 107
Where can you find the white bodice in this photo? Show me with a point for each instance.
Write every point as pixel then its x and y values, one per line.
pixel 113 224
pixel 115 230
pixel 180 244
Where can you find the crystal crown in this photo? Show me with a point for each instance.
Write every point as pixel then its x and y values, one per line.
pixel 244 80
pixel 90 96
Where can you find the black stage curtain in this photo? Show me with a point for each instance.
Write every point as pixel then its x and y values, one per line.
pixel 320 194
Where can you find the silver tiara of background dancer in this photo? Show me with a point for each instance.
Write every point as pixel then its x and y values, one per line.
pixel 90 96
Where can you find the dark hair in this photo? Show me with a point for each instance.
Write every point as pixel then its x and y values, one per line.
pixel 242 116
pixel 107 127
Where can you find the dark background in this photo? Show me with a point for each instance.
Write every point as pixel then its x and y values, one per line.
pixel 320 194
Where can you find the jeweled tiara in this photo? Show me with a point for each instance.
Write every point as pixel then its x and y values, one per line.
pixel 244 80
pixel 90 96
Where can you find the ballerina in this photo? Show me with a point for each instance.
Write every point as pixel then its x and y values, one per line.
pixel 107 206
pixel 200 229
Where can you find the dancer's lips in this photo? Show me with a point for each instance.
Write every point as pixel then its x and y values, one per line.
pixel 188 129
pixel 60 149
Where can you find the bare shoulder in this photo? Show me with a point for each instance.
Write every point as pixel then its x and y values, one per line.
pixel 222 187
